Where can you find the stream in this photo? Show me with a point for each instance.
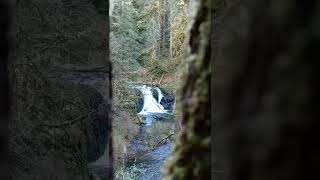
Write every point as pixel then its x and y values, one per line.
pixel 156 106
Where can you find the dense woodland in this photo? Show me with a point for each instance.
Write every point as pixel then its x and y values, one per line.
pixel 147 40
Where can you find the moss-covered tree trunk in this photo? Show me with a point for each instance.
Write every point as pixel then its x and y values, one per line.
pixel 191 155
pixel 266 93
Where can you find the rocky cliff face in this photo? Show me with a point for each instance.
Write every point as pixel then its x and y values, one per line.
pixel 61 90
pixel 93 87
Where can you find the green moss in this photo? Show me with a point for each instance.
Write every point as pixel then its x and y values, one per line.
pixel 191 156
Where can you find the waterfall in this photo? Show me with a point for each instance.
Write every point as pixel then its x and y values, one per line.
pixel 150 104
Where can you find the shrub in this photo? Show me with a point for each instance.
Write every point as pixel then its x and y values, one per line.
pixel 133 172
pixel 160 133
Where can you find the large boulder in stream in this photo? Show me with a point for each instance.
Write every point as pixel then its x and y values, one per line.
pixel 139 103
pixel 168 100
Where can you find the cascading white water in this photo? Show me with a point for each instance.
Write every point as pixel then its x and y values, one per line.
pixel 156 105
pixel 151 106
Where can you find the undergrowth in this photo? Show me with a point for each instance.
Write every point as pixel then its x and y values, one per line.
pixel 162 133
pixel 133 172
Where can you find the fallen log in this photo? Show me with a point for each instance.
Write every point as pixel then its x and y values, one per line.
pixel 165 138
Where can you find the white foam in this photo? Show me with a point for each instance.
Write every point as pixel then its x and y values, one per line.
pixel 150 105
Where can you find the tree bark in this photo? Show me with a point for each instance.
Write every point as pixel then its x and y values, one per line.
pixel 164 40
pixel 266 90
pixel 191 155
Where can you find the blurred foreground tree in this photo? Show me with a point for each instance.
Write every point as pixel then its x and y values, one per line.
pixel 4 106
pixel 191 155
pixel 266 90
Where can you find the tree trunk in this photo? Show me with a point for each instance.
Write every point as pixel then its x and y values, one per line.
pixel 266 89
pixel 191 155
pixel 164 41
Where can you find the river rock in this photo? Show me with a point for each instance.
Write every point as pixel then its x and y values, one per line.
pixel 168 100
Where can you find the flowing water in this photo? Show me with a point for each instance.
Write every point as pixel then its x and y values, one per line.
pixel 156 106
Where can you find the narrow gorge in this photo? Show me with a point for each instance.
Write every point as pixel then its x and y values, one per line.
pixel 95 87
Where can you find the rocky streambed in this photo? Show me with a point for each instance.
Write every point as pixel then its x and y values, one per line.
pixel 156 106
